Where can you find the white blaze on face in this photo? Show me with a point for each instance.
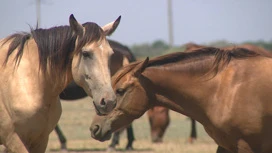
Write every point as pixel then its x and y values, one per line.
pixel 100 66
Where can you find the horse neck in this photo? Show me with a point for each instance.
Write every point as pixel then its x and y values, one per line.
pixel 181 91
pixel 44 82
pixel 58 84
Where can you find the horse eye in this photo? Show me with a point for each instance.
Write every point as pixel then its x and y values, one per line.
pixel 120 91
pixel 86 54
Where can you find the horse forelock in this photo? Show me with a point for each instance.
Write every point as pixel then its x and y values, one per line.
pixel 92 33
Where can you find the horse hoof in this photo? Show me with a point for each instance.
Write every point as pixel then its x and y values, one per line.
pixel 111 149
pixel 63 151
pixel 191 140
pixel 129 148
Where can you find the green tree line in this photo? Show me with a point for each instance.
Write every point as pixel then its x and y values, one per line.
pixel 160 47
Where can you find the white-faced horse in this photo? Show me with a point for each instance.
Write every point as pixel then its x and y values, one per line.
pixel 37 66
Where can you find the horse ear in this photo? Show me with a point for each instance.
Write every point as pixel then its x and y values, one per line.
pixel 140 67
pixel 76 27
pixel 110 27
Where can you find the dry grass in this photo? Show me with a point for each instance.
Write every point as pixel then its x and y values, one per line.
pixel 77 117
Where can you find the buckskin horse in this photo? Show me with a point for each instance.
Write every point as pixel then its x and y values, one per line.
pixel 121 56
pixel 227 91
pixel 159 116
pixel 37 66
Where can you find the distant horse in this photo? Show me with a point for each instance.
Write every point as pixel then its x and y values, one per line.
pixel 121 56
pixel 227 91
pixel 159 116
pixel 37 66
pixel 159 120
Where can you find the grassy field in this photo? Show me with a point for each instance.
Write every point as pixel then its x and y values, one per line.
pixel 77 117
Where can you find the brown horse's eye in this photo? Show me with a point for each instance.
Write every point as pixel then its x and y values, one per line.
pixel 120 91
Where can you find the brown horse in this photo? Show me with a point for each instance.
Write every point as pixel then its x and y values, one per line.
pixel 227 91
pixel 159 120
pixel 37 66
pixel 159 116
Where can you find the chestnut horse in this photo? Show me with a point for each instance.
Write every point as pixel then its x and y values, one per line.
pixel 227 91
pixel 159 120
pixel 121 56
pixel 159 116
pixel 37 66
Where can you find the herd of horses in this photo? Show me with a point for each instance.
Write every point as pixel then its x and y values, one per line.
pixel 227 90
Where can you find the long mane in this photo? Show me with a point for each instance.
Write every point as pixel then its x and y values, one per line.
pixel 221 59
pixel 55 45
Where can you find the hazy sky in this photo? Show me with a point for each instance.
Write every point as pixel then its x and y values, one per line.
pixel 199 21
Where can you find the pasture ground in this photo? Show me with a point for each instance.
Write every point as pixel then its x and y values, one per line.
pixel 77 117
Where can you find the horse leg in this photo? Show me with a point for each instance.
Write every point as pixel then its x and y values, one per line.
pixel 130 137
pixel 114 141
pixel 14 144
pixel 61 137
pixel 193 135
pixel 40 145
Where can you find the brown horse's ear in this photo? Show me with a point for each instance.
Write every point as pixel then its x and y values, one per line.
pixel 76 27
pixel 110 27
pixel 192 46
pixel 140 67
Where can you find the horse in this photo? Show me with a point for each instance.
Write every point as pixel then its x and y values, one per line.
pixel 227 91
pixel 121 56
pixel 159 116
pixel 37 66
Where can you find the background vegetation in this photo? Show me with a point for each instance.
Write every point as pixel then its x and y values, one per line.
pixel 160 47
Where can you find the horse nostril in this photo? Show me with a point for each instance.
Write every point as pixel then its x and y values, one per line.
pixel 103 102
pixel 114 105
pixel 94 130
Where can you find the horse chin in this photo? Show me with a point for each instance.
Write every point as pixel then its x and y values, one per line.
pixel 102 138
pixel 98 134
pixel 106 137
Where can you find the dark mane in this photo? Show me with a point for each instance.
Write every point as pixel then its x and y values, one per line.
pixel 221 58
pixel 55 45
pixel 124 50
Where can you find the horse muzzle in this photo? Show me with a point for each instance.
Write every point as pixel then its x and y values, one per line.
pixel 99 134
pixel 105 105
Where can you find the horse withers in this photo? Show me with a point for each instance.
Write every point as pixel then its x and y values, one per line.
pixel 37 66
pixel 227 91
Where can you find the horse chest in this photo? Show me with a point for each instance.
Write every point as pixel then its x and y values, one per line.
pixel 33 119
pixel 220 137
